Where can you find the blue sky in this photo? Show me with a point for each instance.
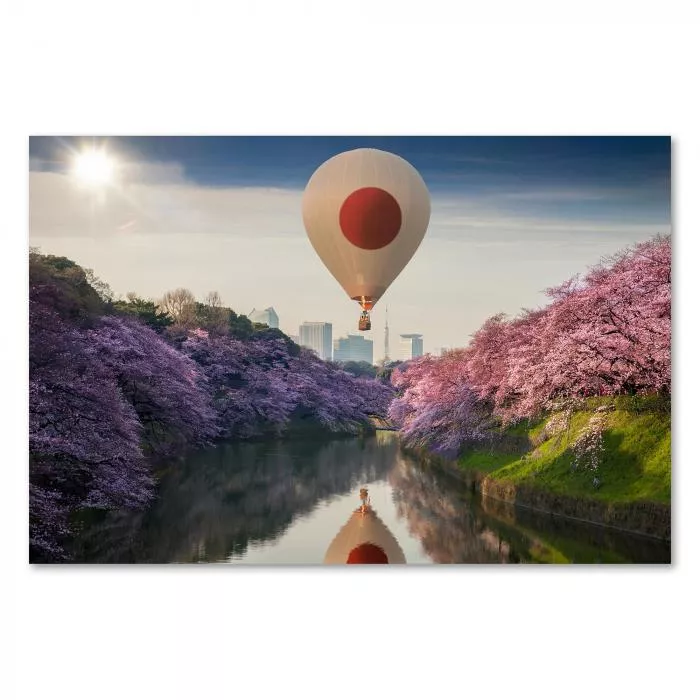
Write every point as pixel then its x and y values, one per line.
pixel 447 164
pixel 511 216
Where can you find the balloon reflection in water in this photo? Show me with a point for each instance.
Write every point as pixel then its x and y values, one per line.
pixel 364 539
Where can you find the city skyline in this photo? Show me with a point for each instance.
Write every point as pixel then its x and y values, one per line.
pixel 269 317
pixel 511 216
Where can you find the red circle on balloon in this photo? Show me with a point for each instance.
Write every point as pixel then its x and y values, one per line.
pixel 370 218
pixel 367 553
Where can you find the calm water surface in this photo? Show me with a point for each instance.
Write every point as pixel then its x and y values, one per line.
pixel 283 503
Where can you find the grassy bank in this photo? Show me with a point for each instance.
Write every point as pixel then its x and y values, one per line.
pixel 633 465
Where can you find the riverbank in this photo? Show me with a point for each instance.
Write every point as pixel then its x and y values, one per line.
pixel 607 463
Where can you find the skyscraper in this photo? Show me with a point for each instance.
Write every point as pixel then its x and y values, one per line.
pixel 318 336
pixel 268 316
pixel 410 346
pixel 353 348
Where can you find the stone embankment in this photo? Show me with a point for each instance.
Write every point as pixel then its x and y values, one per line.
pixel 639 517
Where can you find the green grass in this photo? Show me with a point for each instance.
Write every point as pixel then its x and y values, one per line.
pixel 635 464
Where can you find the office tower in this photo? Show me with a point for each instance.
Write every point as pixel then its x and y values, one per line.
pixel 410 346
pixel 268 316
pixel 353 348
pixel 317 335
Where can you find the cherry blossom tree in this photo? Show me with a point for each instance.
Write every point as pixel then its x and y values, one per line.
pixel 166 389
pixel 260 386
pixel 438 409
pixel 84 446
pixel 606 333
pixel 245 381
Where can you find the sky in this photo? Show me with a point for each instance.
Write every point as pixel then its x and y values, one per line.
pixel 511 216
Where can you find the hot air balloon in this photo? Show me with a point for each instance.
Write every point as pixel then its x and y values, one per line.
pixel 366 212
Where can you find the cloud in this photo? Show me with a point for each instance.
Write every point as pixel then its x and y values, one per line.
pixel 492 221
pixel 167 173
pixel 158 202
pixel 507 224
pixel 552 194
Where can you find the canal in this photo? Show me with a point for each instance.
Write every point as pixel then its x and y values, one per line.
pixel 283 502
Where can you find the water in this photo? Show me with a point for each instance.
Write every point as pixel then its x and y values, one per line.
pixel 283 503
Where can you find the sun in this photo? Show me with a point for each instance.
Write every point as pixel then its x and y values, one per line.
pixel 94 168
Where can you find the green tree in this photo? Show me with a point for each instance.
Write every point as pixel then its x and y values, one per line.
pixel 145 310
pixel 102 288
pixel 359 368
pixel 384 372
pixel 212 315
pixel 240 327
pixel 63 279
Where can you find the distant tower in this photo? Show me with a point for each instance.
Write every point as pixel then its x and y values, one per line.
pixel 386 335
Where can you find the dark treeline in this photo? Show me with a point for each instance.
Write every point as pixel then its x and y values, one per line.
pixel 116 386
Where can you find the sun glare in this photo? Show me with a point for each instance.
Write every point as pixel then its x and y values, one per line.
pixel 94 168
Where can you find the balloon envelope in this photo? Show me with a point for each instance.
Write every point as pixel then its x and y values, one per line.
pixel 366 212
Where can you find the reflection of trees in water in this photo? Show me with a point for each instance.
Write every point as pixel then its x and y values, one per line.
pixel 456 527
pixel 573 541
pixel 221 500
pixel 448 526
